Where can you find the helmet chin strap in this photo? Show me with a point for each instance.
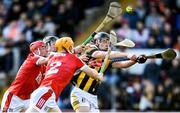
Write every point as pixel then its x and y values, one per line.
pixel 97 44
pixel 65 49
pixel 68 51
pixel 48 45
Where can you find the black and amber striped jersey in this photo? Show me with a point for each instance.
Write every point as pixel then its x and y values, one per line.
pixel 82 80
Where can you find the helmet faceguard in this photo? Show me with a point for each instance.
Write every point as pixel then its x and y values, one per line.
pixel 101 35
pixel 50 41
pixel 101 40
pixel 34 46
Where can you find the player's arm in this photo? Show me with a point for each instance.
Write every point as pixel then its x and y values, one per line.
pixel 84 57
pixel 123 64
pixel 78 49
pixel 89 71
pixel 113 54
pixel 42 61
pixel 92 73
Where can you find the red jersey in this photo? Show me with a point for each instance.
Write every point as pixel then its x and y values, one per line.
pixel 28 77
pixel 60 70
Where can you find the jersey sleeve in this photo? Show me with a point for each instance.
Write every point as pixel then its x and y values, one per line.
pixel 79 63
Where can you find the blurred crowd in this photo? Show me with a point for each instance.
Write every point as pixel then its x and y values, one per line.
pixel 152 24
pixel 24 21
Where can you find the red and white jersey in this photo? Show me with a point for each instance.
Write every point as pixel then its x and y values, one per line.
pixel 28 77
pixel 59 71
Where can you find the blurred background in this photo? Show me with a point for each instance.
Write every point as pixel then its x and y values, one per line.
pixel 154 25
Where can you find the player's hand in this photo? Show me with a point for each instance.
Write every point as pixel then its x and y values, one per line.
pixel 141 59
pixel 132 57
pixel 84 57
pixel 100 77
pixel 79 49
pixel 89 45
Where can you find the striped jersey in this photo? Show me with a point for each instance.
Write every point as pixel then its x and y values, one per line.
pixel 83 81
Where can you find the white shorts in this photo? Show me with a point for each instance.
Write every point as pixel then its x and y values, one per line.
pixel 12 103
pixel 82 98
pixel 42 99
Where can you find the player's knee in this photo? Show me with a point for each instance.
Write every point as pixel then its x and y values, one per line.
pixel 31 110
pixel 54 110
pixel 83 109
pixel 22 110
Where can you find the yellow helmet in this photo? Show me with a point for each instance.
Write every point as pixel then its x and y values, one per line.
pixel 64 43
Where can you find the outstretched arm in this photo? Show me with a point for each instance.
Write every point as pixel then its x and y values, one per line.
pixel 92 73
pixel 78 49
pixel 123 64
pixel 113 54
pixel 127 62
pixel 42 61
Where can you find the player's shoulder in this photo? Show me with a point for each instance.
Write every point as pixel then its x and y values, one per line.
pixel 72 57
pixel 32 57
